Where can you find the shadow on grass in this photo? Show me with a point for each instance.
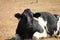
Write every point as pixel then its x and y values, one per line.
pixel 13 38
pixel 51 38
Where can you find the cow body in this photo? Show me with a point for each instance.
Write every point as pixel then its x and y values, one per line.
pixel 51 21
pixel 42 23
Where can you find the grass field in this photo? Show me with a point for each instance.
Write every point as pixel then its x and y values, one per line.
pixel 8 8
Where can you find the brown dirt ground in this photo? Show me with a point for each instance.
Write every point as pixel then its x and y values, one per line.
pixel 8 8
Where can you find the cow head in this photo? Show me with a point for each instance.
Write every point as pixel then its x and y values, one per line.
pixel 26 17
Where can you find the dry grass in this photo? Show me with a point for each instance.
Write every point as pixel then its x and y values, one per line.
pixel 8 8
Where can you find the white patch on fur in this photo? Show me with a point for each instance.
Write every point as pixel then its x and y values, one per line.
pixel 41 21
pixel 40 35
pixel 43 24
pixel 17 37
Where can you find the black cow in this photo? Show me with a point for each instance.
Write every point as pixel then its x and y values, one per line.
pixel 51 21
pixel 27 25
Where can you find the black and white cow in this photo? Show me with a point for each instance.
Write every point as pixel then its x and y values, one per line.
pixel 27 25
pixel 50 22
pixel 57 32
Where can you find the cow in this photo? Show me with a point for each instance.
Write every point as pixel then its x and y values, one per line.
pixel 27 25
pixel 50 22
pixel 57 32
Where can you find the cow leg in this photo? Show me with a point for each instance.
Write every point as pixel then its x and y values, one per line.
pixel 17 37
pixel 38 35
pixel 58 35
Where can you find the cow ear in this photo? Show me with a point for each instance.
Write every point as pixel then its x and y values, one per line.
pixel 36 15
pixel 55 15
pixel 18 15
